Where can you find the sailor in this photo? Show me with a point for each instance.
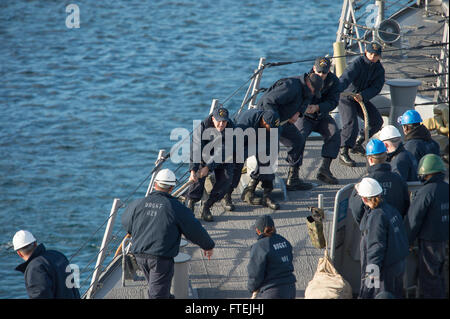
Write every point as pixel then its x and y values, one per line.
pixel 156 224
pixel 270 268
pixel 215 123
pixel 316 118
pixel 289 97
pixel 395 189
pixel 364 78
pixel 402 161
pixel 417 137
pixel 427 221
pixel 384 243
pixel 256 119
pixel 47 272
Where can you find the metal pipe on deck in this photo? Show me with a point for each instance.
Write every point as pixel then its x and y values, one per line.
pixel 180 280
pixel 102 253
pixel 255 89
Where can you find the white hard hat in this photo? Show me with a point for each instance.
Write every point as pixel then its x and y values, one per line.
pixel 166 177
pixel 22 238
pixel 388 132
pixel 368 187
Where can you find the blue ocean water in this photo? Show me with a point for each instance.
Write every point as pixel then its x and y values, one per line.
pixel 84 111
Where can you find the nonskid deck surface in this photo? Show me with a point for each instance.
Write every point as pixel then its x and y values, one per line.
pixel 225 274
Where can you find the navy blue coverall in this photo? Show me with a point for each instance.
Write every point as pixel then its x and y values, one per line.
pixel 366 78
pixel 46 274
pixel 403 163
pixel 428 222
pixel 270 268
pixel 419 142
pixel 384 248
pixel 223 171
pixel 322 122
pixel 286 97
pixel 395 191
pixel 156 224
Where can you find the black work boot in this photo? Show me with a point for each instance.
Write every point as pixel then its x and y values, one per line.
pixel 267 201
pixel 226 201
pixel 344 158
pixel 249 196
pixel 206 211
pixel 294 182
pixel 324 173
pixel 359 148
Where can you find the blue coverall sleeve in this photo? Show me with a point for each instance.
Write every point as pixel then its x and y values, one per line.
pixel 331 99
pixel 377 240
pixel 256 268
pixel 192 229
pixel 348 76
pixel 39 283
pixel 375 86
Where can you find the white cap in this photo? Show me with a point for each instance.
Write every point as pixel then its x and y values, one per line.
pixel 166 177
pixel 388 132
pixel 368 187
pixel 22 238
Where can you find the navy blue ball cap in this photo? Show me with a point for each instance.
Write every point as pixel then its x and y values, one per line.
pixel 272 118
pixel 322 65
pixel 221 114
pixel 264 221
pixel 374 47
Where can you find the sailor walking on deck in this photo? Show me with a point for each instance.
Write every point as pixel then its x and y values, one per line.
pixel 317 118
pixel 156 224
pixel 384 244
pixel 417 137
pixel 364 77
pixel 216 123
pixel 270 268
pixel 395 189
pixel 427 221
pixel 46 271
pixel 256 119
pixel 289 97
pixel 402 161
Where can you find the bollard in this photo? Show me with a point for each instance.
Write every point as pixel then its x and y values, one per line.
pixel 403 97
pixel 339 61
pixel 180 280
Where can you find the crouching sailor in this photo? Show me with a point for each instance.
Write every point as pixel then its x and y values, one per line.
pixel 256 120
pixel 46 271
pixel 289 98
pixel 270 269
pixel 318 119
pixel 216 123
pixel 384 244
pixel 155 224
